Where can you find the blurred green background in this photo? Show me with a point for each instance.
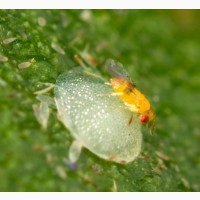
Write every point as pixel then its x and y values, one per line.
pixel 161 51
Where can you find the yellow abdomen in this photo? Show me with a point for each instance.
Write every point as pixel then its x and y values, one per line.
pixel 137 99
pixel 130 95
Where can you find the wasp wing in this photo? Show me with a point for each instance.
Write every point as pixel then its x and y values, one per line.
pixel 116 69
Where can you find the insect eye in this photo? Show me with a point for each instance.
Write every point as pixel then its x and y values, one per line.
pixel 144 118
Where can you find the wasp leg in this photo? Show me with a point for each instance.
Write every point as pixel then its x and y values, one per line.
pixel 121 107
pixel 112 94
pixel 126 108
pixel 107 83
pixel 130 120
pixel 116 93
pixel 132 107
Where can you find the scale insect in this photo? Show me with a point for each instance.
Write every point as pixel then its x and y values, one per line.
pixel 93 119
pixel 133 99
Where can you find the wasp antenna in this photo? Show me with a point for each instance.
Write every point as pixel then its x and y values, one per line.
pixel 151 127
pixel 94 75
pixel 83 57
pixel 151 132
pixel 80 61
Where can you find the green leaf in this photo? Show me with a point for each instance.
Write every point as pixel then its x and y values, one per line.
pixel 159 49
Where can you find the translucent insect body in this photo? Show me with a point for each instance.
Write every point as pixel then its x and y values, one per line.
pixel 94 119
pixel 89 108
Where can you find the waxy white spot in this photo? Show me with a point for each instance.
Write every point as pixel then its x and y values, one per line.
pixel 42 113
pixel 41 21
pixel 9 40
pixel 60 171
pixel 3 58
pixel 57 48
pixel 26 64
pixel 3 83
pixel 86 15
pixel 74 151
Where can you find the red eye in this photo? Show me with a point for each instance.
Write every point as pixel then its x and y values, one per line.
pixel 144 118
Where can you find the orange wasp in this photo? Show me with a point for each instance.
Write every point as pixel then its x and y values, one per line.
pixel 129 94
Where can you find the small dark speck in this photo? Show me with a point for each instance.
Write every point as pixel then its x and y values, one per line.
pixel 71 165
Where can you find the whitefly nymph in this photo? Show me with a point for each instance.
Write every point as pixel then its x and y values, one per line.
pixel 96 119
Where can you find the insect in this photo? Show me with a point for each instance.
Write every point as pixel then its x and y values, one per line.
pixel 93 120
pixel 129 94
